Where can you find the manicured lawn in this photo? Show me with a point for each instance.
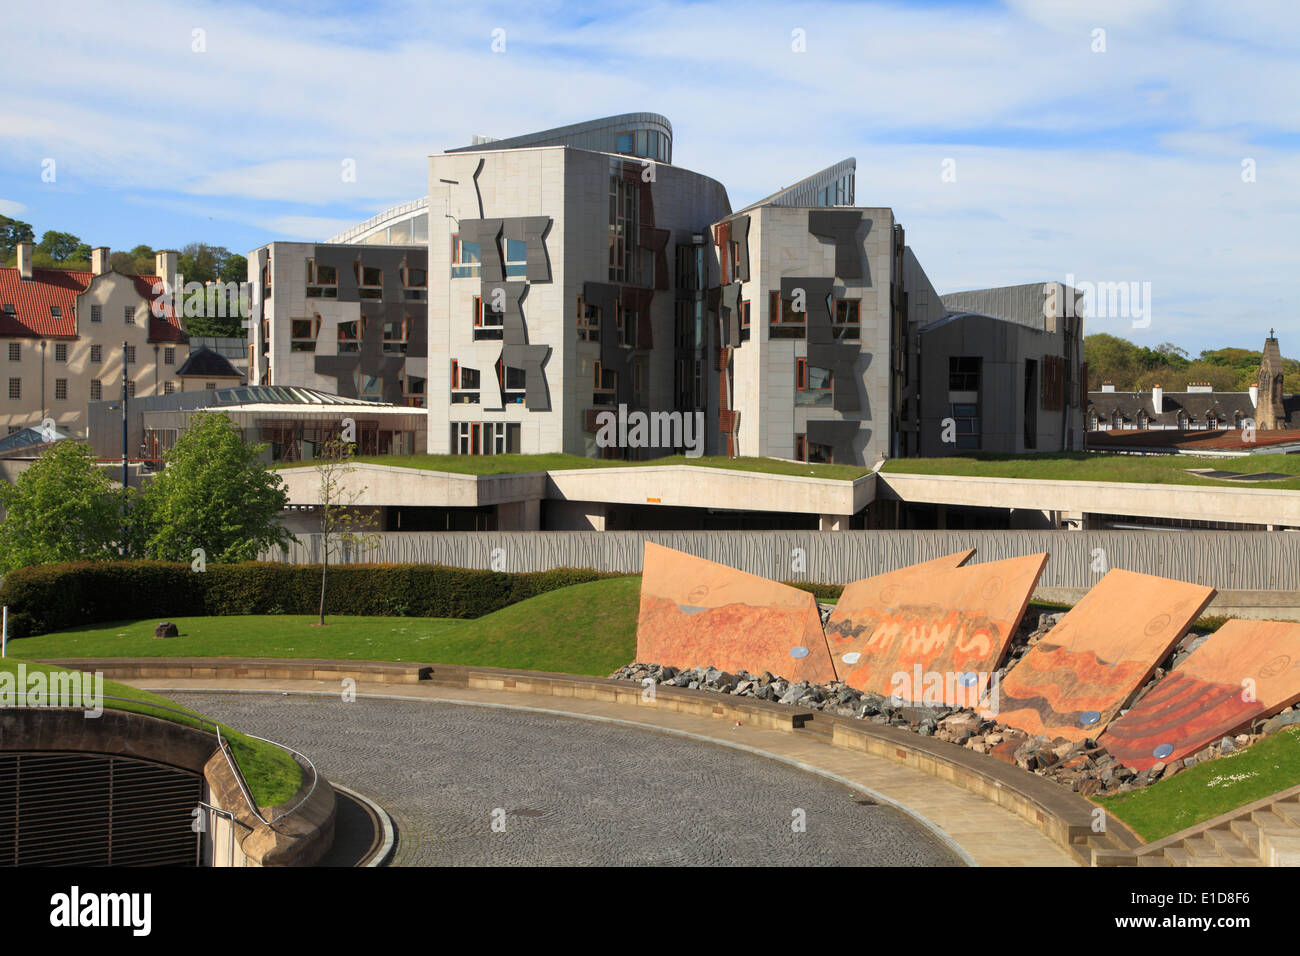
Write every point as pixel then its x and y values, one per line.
pixel 521 464
pixel 1082 466
pixel 1210 789
pixel 583 629
pixel 272 775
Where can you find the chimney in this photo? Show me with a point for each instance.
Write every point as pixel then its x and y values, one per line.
pixel 1254 396
pixel 99 260
pixel 1108 386
pixel 164 266
pixel 1158 400
pixel 25 260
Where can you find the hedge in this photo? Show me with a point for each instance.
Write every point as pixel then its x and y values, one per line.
pixel 55 597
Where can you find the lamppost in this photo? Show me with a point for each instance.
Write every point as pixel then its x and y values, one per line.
pixel 124 457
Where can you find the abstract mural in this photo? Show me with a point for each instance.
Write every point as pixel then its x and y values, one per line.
pixel 1075 680
pixel 696 613
pixel 928 633
pixel 1245 670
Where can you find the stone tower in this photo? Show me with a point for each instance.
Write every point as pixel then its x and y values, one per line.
pixel 1269 414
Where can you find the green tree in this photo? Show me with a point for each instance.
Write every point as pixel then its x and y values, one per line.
pixel 215 494
pixel 234 269
pixel 61 246
pixel 342 524
pixel 12 232
pixel 62 508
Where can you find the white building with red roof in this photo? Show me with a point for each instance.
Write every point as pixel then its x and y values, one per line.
pixel 64 335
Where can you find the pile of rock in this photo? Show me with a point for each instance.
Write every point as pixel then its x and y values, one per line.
pixel 1084 767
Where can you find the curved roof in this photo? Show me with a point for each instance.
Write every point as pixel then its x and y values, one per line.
pixel 805 191
pixel 598 135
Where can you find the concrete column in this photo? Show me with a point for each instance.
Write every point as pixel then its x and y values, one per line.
pixel 834 522
pixel 520 515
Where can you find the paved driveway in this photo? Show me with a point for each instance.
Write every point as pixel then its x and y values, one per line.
pixel 574 792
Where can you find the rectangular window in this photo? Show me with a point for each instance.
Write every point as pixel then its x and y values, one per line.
pixel 96 355
pixel 415 278
pixel 588 321
pixel 15 388
pixel 964 373
pixel 60 351
pixel 128 315
pixel 848 319
pixel 130 355
pixel 169 388
pixel 130 389
pixel 302 335
pixel 801 447
pixel 813 385
pixel 624 217
pixel 56 312
pixel 604 385
pixel 466 258
pixel 485 438
pixel 511 381
pixel 395 336
pixel 412 390
pixel 349 337
pixel 169 356
pixel 783 321
pixel 61 389
pixel 744 320
pixel 96 314
pixel 821 454
pixel 515 256
pixel 487 323
pixel 15 351
pixel 966 417
pixel 96 390
pixel 322 281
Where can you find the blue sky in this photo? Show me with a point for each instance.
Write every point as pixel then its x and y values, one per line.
pixel 1122 164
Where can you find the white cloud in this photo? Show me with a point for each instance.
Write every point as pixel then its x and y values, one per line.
pixel 10 208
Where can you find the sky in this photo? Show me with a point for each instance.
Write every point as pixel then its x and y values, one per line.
pixel 1018 141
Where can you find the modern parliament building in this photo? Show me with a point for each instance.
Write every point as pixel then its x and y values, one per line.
pixel 550 277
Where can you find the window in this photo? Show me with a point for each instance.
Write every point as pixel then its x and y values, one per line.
pixel 604 385
pixel 96 354
pixel 9 310
pixel 210 385
pixel 96 390
pixel 368 386
pixel 966 417
pixel 624 207
pixel 516 258
pixel 128 315
pixel 489 324
pixel 821 454
pixel 625 321
pixel 812 384
pixel 784 322
pixel 415 278
pixel 370 281
pixel 130 389
pixel 801 447
pixel 322 281
pixel 744 320
pixel 56 312
pixel 464 384
pixel 15 351
pixel 349 337
pixel 60 351
pixel 130 355
pixel 511 381
pixel 395 336
pixel 169 388
pixel 302 334
pixel 15 388
pixel 848 319
pixel 964 373
pixel 96 314
pixel 588 321
pixel 61 389
pixel 485 438
pixel 169 356
pixel 466 258
pixel 412 390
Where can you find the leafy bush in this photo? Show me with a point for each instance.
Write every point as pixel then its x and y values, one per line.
pixel 55 597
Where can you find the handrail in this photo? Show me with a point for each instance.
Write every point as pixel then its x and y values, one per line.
pixel 223 746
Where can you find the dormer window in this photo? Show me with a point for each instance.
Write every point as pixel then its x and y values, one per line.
pixel 56 312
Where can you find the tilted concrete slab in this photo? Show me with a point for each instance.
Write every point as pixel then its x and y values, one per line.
pixel 1245 670
pixel 696 613
pixel 1077 678
pixel 932 634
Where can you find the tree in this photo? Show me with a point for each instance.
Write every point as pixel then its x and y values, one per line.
pixel 215 494
pixel 342 525
pixel 61 246
pixel 12 232
pixel 234 269
pixel 62 508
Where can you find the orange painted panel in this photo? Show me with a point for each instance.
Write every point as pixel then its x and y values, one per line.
pixel 1245 670
pixel 859 595
pixel 1075 680
pixel 935 636
pixel 697 613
